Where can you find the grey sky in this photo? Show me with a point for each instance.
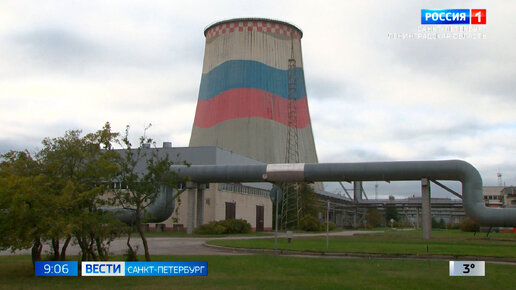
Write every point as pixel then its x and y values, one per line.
pixel 77 64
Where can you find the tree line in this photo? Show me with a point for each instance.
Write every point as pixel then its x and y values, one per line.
pixel 60 194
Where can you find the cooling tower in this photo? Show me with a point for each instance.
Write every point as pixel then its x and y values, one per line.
pixel 243 103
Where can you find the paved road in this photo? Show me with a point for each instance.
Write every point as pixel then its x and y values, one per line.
pixel 180 246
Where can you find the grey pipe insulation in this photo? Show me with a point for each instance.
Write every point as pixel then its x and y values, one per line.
pixel 158 211
pixel 368 171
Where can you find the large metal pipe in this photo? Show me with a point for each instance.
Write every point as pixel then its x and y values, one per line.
pixel 370 171
pixel 160 209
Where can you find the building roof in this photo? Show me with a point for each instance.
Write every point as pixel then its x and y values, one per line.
pixel 207 155
pixel 492 190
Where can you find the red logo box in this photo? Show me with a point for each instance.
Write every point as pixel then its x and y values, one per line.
pixel 478 16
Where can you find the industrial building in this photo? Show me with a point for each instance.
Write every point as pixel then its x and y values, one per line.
pixel 252 108
pixel 216 201
pixel 351 212
pixel 493 196
pixel 252 97
pixel 509 196
pixel 500 196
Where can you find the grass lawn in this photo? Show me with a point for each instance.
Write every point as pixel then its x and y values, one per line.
pixel 451 242
pixel 274 272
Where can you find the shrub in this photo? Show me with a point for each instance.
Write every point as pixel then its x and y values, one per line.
pixel 131 255
pixel 233 226
pixel 373 217
pixel 438 224
pixel 397 224
pixel 453 226
pixel 211 228
pixel 469 225
pixel 331 226
pixel 309 223
pixel 236 226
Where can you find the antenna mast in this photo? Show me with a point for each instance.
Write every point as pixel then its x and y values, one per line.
pixel 291 204
pixel 499 175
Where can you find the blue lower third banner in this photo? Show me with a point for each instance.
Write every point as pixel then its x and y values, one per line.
pixel 56 268
pixel 144 268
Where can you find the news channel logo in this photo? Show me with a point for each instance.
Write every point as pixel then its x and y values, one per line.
pixel 453 16
pixel 447 24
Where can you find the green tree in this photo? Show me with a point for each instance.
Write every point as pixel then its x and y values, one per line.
pixel 143 174
pixel 56 195
pixel 299 201
pixel 373 217
pixel 80 169
pixel 391 212
pixel 309 201
pixel 25 206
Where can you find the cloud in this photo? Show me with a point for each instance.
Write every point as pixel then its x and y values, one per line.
pixel 68 65
pixel 60 50
pixel 57 46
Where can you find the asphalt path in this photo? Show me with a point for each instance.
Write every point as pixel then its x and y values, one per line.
pixel 180 246
pixel 196 246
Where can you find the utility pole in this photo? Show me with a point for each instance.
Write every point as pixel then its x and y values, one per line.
pixel 327 224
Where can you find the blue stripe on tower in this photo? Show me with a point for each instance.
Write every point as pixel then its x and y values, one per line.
pixel 234 74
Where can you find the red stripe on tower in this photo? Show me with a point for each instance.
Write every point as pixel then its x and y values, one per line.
pixel 248 103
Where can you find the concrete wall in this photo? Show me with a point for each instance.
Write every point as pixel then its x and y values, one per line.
pixel 212 198
pixel 214 207
pixel 245 207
